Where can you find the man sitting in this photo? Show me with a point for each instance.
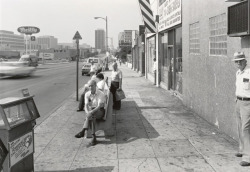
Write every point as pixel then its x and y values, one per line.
pixel 85 89
pixel 94 108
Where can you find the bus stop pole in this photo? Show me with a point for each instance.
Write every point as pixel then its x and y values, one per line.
pixel 77 62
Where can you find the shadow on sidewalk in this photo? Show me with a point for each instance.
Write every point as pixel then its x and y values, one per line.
pixel 90 169
pixel 131 125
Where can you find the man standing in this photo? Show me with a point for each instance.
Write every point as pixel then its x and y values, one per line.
pixel 242 108
pixel 94 108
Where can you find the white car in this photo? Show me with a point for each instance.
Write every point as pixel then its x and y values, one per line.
pixel 16 69
pixel 86 69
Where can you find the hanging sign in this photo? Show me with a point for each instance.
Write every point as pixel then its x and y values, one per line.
pixel 28 30
pixel 21 148
pixel 169 14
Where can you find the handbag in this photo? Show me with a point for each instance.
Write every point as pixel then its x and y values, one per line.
pixel 119 95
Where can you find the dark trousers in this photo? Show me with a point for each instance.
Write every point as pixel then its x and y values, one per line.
pixel 90 120
pixel 114 86
pixel 81 101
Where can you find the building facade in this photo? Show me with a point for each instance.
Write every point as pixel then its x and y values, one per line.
pixel 194 48
pixel 208 72
pixel 11 41
pixel 100 39
pixel 47 42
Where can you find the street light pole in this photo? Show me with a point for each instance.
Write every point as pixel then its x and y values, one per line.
pixel 106 20
pixel 107 66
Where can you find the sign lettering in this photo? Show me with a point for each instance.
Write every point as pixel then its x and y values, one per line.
pixel 28 30
pixel 21 148
pixel 170 14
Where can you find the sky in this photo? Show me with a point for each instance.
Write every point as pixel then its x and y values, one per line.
pixel 62 18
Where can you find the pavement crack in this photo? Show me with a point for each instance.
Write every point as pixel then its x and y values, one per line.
pixel 141 164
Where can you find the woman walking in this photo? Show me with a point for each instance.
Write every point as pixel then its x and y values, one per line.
pixel 116 84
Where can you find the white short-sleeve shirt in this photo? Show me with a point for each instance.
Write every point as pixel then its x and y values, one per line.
pixel 243 83
pixel 94 99
pixel 116 75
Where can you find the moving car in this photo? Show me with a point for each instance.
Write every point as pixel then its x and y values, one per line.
pixel 86 69
pixel 32 60
pixel 16 69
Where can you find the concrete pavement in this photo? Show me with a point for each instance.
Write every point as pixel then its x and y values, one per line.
pixel 155 132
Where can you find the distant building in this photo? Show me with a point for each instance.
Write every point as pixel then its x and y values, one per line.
pixel 128 36
pixel 11 41
pixel 65 45
pixel 100 39
pixel 125 38
pixel 47 42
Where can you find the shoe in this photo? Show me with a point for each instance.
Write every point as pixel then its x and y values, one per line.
pixel 78 110
pixel 238 154
pixel 80 134
pixel 244 163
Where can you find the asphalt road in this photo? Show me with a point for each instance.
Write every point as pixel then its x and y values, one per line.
pixel 51 84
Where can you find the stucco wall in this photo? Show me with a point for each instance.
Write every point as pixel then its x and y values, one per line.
pixel 209 81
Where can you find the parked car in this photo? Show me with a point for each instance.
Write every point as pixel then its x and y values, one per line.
pixel 16 69
pixel 97 61
pixel 86 69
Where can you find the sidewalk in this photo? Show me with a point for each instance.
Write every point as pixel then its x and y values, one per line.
pixel 154 133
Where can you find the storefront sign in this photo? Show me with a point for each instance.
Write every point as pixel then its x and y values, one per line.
pixel 170 14
pixel 21 148
pixel 28 30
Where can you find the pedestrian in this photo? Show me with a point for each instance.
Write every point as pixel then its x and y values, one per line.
pixel 116 84
pixel 120 61
pixel 154 70
pixel 242 109
pixel 93 69
pixel 94 108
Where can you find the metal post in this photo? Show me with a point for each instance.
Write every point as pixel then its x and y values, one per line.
pixel 26 44
pixel 77 61
pixel 30 44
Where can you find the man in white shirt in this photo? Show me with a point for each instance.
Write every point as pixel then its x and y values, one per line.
pixel 94 108
pixel 242 108
pixel 93 69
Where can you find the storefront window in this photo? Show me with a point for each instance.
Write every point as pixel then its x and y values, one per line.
pixel 164 58
pixel 178 60
pixel 151 54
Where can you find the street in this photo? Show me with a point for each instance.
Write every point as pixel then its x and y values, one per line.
pixel 51 84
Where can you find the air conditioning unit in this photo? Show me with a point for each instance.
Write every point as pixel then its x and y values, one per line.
pixel 239 19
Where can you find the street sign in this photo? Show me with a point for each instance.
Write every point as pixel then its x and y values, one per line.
pixel 77 36
pixel 33 38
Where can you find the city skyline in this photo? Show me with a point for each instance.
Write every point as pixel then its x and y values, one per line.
pixel 67 18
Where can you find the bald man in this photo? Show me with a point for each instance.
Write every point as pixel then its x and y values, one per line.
pixel 94 108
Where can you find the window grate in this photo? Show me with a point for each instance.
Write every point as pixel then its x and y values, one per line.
pixel 194 38
pixel 218 35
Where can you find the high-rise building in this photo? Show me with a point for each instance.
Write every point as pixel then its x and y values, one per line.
pixel 11 41
pixel 100 39
pixel 47 42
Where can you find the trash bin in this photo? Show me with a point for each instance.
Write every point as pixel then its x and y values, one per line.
pixel 17 120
